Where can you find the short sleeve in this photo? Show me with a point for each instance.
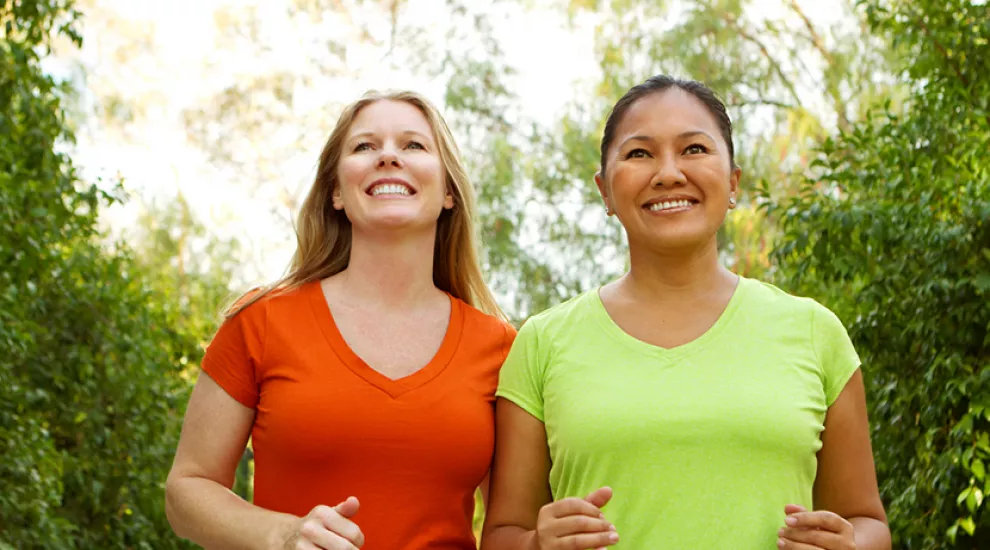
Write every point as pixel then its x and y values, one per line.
pixel 510 336
pixel 521 377
pixel 234 355
pixel 836 355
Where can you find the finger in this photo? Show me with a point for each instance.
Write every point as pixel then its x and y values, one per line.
pixel 825 520
pixel 348 507
pixel 303 544
pixel 600 497
pixel 315 536
pixel 341 526
pixel 813 537
pixel 588 541
pixel 573 525
pixel 574 507
pixel 333 541
pixel 786 544
pixel 794 509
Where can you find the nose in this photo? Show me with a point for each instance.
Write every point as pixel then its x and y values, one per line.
pixel 668 172
pixel 388 157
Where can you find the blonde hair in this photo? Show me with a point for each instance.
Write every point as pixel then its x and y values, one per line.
pixel 323 234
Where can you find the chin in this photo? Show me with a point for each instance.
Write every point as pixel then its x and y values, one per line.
pixel 677 239
pixel 394 221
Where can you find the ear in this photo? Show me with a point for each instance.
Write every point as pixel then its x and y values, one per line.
pixel 338 202
pixel 734 178
pixel 603 191
pixel 448 200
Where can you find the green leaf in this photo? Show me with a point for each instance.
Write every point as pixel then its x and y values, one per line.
pixel 964 495
pixel 974 499
pixel 982 282
pixel 968 525
pixel 964 426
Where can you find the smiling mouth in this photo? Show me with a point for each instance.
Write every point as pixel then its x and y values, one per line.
pixel 392 189
pixel 670 205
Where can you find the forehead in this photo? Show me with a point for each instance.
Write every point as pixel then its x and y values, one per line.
pixel 388 116
pixel 667 113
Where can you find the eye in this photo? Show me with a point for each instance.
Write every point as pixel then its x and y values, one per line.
pixel 637 153
pixel 415 145
pixel 363 146
pixel 696 149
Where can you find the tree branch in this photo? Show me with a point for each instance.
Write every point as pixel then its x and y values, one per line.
pixel 945 53
pixel 949 59
pixel 766 53
pixel 394 19
pixel 761 101
pixel 816 40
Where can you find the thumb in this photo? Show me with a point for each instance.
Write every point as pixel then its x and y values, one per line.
pixel 794 509
pixel 600 497
pixel 348 507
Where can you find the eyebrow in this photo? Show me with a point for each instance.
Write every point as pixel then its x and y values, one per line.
pixel 404 133
pixel 694 133
pixel 682 135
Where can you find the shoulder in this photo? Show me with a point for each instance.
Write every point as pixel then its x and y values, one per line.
pixel 779 311
pixel 776 301
pixel 565 314
pixel 484 325
pixel 256 306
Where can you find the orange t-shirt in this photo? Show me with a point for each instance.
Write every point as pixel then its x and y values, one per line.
pixel 328 426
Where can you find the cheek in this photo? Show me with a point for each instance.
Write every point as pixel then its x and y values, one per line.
pixel 626 181
pixel 428 168
pixel 350 174
pixel 712 177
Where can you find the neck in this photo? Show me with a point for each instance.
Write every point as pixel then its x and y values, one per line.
pixel 390 269
pixel 680 274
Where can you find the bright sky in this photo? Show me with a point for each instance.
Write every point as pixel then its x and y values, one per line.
pixel 187 62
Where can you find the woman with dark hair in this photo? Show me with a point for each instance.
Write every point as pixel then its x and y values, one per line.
pixel 681 406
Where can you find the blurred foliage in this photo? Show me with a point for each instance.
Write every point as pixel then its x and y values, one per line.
pixel 189 269
pixel 93 345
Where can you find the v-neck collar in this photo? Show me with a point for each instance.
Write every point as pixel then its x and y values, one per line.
pixel 397 387
pixel 669 355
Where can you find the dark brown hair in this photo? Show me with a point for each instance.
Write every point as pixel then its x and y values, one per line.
pixel 662 83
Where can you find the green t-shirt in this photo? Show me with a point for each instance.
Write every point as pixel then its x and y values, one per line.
pixel 703 444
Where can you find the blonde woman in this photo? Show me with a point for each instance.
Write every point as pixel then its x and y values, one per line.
pixel 366 377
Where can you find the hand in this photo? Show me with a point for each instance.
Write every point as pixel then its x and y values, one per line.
pixel 326 528
pixel 820 530
pixel 576 524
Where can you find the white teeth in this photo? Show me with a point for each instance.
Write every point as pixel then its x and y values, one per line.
pixel 390 189
pixel 666 205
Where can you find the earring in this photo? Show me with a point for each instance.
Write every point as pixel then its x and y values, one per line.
pixel 732 202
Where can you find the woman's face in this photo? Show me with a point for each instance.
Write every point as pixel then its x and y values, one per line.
pixel 390 175
pixel 668 173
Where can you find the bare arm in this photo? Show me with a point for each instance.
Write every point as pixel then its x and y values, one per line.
pixel 517 492
pixel 848 510
pixel 522 514
pixel 198 500
pixel 485 490
pixel 847 482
